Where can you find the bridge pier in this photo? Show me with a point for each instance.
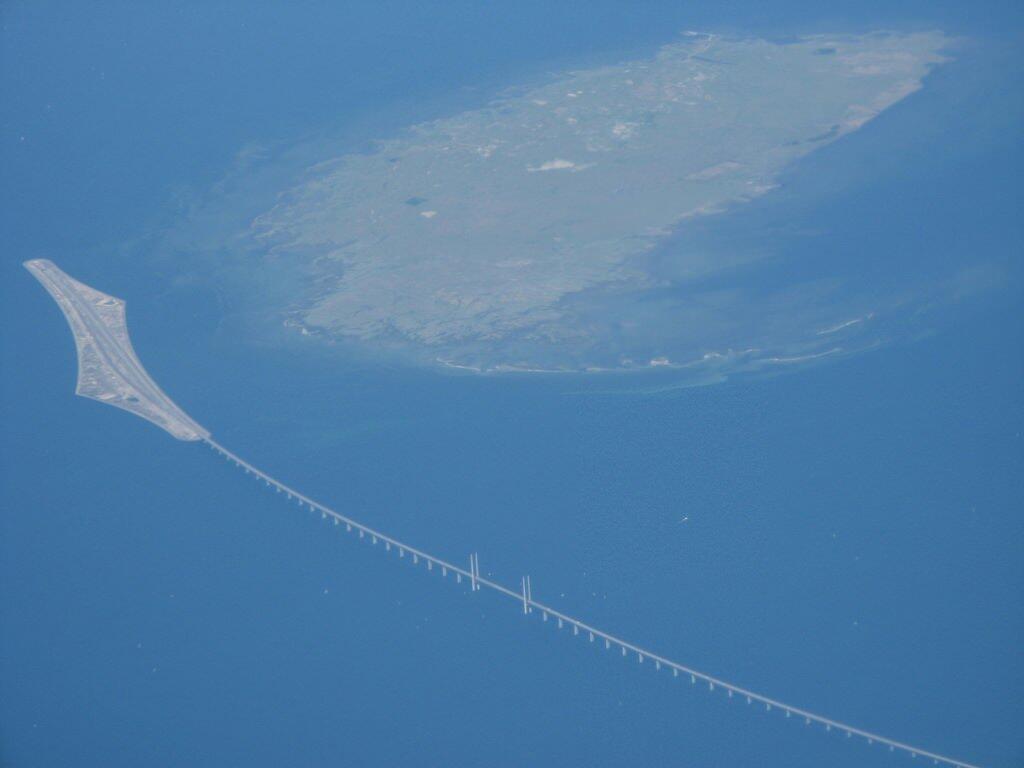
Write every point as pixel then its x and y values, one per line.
pixel 526 599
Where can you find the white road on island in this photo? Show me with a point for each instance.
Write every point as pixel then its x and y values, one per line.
pixel 108 368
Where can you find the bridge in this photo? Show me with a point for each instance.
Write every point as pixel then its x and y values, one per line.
pixel 114 375
pixel 523 596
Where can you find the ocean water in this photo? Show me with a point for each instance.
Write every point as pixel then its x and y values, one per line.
pixel 845 537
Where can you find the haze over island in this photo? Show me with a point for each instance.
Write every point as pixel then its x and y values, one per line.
pixel 516 236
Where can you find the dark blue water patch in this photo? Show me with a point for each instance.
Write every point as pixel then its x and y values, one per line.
pixel 831 527
pixel 160 609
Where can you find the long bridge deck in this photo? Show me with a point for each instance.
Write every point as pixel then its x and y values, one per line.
pixel 109 371
pixel 524 597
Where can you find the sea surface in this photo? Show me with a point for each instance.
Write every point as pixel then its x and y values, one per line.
pixel 846 536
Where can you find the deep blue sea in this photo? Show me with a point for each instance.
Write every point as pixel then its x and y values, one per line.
pixel 847 537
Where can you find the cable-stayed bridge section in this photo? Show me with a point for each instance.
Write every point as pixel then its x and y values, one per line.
pixel 109 371
pixel 523 595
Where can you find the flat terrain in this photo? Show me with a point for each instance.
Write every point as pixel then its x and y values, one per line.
pixel 509 235
pixel 108 368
